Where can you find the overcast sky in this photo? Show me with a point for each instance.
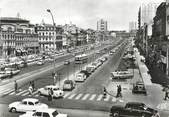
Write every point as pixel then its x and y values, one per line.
pixel 83 13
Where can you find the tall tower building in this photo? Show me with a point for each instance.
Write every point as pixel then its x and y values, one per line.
pixel 102 25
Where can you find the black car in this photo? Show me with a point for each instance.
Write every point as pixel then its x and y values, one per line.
pixel 133 109
pixel 85 72
pixel 139 88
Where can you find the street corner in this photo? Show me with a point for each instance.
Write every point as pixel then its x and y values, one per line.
pixel 163 106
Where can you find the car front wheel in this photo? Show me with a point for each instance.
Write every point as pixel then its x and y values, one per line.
pixel 116 114
pixel 13 110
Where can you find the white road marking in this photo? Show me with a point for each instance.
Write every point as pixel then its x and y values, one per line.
pixel 12 93
pixel 21 92
pixel 67 94
pixel 107 98
pixel 78 96
pixel 25 94
pixel 34 93
pixel 92 97
pixel 99 97
pixel 85 96
pixel 71 96
pixel 7 92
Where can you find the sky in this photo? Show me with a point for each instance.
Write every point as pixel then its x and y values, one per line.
pixel 83 13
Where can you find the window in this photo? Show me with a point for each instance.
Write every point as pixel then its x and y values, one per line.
pixel 46 115
pixel 24 102
pixel 30 103
pixel 37 114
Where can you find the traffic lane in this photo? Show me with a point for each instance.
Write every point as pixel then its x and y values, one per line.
pixel 70 112
pixel 101 76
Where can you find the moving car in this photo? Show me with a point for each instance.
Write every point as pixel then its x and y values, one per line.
pixel 28 104
pixel 80 77
pixel 3 75
pixel 139 87
pixel 57 92
pixel 90 69
pixel 68 85
pixel 133 109
pixel 50 112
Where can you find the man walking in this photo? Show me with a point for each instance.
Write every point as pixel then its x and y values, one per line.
pixel 119 94
pixel 166 93
pixel 16 86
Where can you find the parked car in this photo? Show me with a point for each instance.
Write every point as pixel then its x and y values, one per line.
pixel 41 62
pixel 3 75
pixel 90 69
pixel 10 70
pixel 133 109
pixel 28 104
pixel 85 72
pixel 68 85
pixel 50 112
pixel 57 92
pixel 139 87
pixel 66 62
pixel 80 77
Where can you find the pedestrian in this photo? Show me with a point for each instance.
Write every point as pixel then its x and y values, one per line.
pixel 117 95
pixel 166 93
pixel 104 92
pixel 30 89
pixel 120 94
pixel 16 86
pixel 33 85
pixel 50 94
pixel 11 74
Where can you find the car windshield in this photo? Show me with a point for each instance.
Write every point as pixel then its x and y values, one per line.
pixel 37 102
pixel 55 113
pixel 79 75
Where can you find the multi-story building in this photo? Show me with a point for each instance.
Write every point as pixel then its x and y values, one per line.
pixel 102 25
pixel 132 26
pixel 50 37
pixel 17 37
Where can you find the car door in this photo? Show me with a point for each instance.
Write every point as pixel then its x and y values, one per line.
pixel 31 106
pixel 37 114
pixel 22 106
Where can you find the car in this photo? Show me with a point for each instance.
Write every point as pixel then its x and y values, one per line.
pixel 85 72
pixel 40 62
pixel 80 77
pixel 66 62
pixel 57 92
pixel 90 69
pixel 27 104
pixel 10 70
pixel 68 85
pixel 3 75
pixel 133 109
pixel 50 112
pixel 139 88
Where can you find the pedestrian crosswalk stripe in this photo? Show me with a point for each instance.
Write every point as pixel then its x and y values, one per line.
pixel 12 93
pixel 66 95
pixel 107 98
pixel 71 96
pixel 25 94
pixel 78 96
pixel 7 92
pixel 21 92
pixel 85 96
pixel 34 93
pixel 99 97
pixel 92 97
pixel 3 91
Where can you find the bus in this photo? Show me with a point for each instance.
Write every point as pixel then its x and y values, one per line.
pixel 80 59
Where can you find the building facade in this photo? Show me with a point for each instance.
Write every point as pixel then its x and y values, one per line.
pixel 102 25
pixel 50 37
pixel 18 37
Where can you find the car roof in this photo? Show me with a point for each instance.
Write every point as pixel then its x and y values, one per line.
pixel 48 110
pixel 30 99
pixel 66 81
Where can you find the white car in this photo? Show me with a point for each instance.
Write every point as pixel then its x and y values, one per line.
pixel 50 112
pixel 14 71
pixel 28 104
pixel 80 77
pixel 40 62
pixel 57 92
pixel 3 75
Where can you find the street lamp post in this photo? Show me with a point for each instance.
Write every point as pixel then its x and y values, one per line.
pixel 48 10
